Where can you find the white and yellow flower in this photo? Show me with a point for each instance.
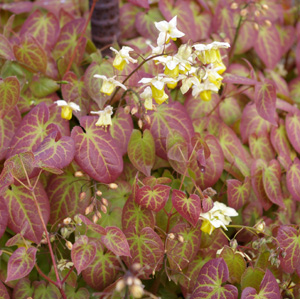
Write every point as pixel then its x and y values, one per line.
pixel 147 96
pixel 210 53
pixel 218 216
pixel 204 90
pixel 168 30
pixel 122 57
pixel 104 116
pixel 67 108
pixel 109 84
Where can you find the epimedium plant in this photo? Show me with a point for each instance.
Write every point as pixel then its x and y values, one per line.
pixel 169 169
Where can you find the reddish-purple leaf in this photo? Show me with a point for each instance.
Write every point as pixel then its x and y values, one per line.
pixel 116 241
pixel 128 13
pixel 3 292
pixel 83 253
pixel 8 126
pixel 287 37
pixel 230 111
pixel 141 3
pixel 137 216
pixel 293 179
pixel 3 216
pixel 289 240
pixel 34 127
pixel 96 152
pixel 23 215
pixel 294 88
pixel 265 100
pixel 251 122
pixel 30 53
pixel 103 270
pixel 18 7
pixel 267 46
pixel 203 22
pixel 6 177
pixel 141 151
pixel 261 147
pixel 292 123
pixel 153 198
pixel 235 79
pixel 188 207
pixel 22 289
pixel 20 263
pixel 271 181
pixel 269 289
pixel 246 38
pixel 146 248
pixel 43 26
pixel 9 94
pixel 257 183
pixel 238 193
pixel 56 152
pixel 211 279
pixel 181 253
pixel 6 51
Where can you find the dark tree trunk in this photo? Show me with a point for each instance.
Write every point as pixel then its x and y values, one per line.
pixel 105 23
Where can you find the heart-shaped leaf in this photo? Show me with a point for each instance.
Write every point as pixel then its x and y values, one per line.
pixel 83 253
pixel 293 178
pixel 292 123
pixel 96 152
pixel 188 207
pixel 20 263
pixel 211 281
pixel 23 289
pixel 238 193
pixel 261 147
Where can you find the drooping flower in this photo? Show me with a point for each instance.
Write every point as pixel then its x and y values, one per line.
pixel 122 57
pixel 104 116
pixel 67 108
pixel 168 30
pixel 171 64
pixel 210 53
pixel 147 96
pixel 109 84
pixel 218 216
pixel 204 90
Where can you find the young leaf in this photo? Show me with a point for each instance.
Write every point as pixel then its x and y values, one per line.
pixel 23 289
pixel 137 216
pixel 265 100
pixel 45 290
pixel 269 289
pixel 292 123
pixel 146 248
pixel 211 281
pixel 153 198
pixel 261 147
pixel 293 179
pixel 141 151
pixel 73 293
pixel 23 214
pixel 116 241
pixel 103 270
pixel 9 94
pixel 235 262
pixel 83 253
pixel 267 46
pixel 96 152
pixel 288 238
pixel 20 263
pixel 6 51
pixel 188 207
pixel 44 27
pixel 238 193
pixel 30 53
pixel 252 277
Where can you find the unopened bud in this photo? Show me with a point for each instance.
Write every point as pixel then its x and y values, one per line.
pixel 256 27
pixel 265 6
pixel 137 281
pixel 69 245
pixel 120 285
pixel 136 291
pixel 234 5
pixel 257 13
pixel 268 23
pixel 98 214
pixel 129 281
pixel 134 110
pixel 113 186
pixel 104 201
pixel 98 192
pixel 77 219
pixel 260 228
pixel 103 209
pixel 243 12
pixel 52 238
pixel 95 218
pixel 64 232
pixel 89 209
pixel 147 119
pixel 67 220
pixel 171 236
pixel 180 238
pixel 127 109
pixel 136 267
pixel 140 123
pixel 78 174
pixel 233 244
pixel 82 196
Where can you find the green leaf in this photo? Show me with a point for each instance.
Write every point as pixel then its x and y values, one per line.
pixel 43 86
pixel 141 151
pixel 72 293
pixel 252 277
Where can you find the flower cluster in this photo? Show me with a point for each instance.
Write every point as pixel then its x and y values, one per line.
pixel 218 216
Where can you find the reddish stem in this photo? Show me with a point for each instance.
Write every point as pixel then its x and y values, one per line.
pixel 81 36
pixel 68 274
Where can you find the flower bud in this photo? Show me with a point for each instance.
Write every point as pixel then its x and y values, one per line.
pixel 134 110
pixel 82 196
pixel 95 218
pixel 136 291
pixel 260 228
pixel 140 123
pixel 89 209
pixel 180 238
pixel 256 26
pixel 78 174
pixel 77 219
pixel 67 220
pixel 268 23
pixel 98 214
pixel 243 12
pixel 69 245
pixel 171 236
pixel 234 5
pixel 147 119
pixel 120 285
pixel 265 6
pixel 98 192
pixel 103 209
pixel 104 201
pixel 257 13
pixel 113 186
pixel 127 109
pixel 129 281
pixel 64 232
